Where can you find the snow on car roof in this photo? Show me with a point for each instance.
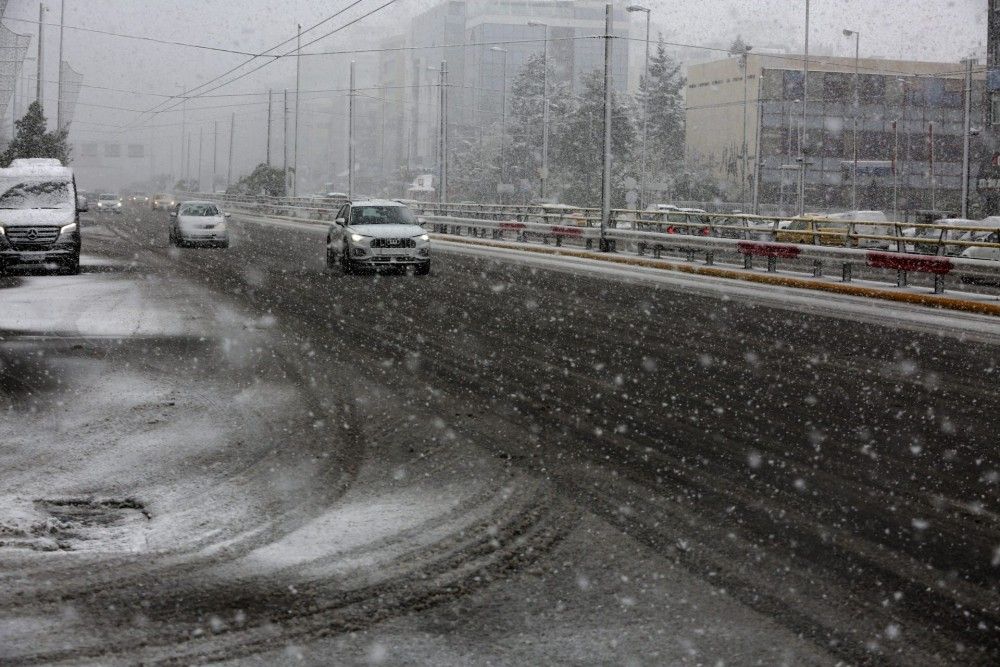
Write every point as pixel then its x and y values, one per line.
pixel 375 202
pixel 37 168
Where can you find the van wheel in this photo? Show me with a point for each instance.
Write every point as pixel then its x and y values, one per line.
pixel 72 267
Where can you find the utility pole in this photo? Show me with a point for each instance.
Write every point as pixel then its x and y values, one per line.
pixel 443 136
pixel 215 153
pixel 857 108
pixel 503 121
pixel 645 109
pixel 232 131
pixel 544 175
pixel 295 158
pixel 606 175
pixel 187 161
pixel 41 54
pixel 966 132
pixel 268 160
pixel 201 148
pixel 744 58
pixel 59 76
pixel 895 171
pixel 284 143
pixel 350 136
pixel 802 131
pixel 756 151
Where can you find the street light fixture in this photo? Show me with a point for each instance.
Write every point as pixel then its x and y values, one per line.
pixel 503 116
pixel 645 109
pixel 857 105
pixel 544 176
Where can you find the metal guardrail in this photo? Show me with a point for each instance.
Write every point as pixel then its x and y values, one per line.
pixel 690 233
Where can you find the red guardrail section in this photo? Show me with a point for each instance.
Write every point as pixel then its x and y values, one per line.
pixel 768 249
pixel 567 231
pixel 887 260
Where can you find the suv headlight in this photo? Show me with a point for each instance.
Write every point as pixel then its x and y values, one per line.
pixel 424 237
pixel 357 238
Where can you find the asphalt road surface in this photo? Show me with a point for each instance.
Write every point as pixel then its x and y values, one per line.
pixel 501 462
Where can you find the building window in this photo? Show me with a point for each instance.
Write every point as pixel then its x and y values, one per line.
pixel 112 150
pixel 995 108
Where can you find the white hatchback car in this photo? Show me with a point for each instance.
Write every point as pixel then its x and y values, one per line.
pixel 375 234
pixel 198 222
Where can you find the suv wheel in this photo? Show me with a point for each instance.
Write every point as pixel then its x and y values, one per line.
pixel 346 265
pixel 422 269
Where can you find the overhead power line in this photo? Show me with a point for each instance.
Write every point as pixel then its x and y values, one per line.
pixel 140 38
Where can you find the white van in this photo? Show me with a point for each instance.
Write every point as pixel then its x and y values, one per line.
pixel 39 215
pixel 880 228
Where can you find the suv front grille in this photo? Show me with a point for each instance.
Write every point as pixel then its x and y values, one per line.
pixel 394 243
pixel 32 237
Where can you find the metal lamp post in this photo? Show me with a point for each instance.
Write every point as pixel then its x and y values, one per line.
pixel 857 107
pixel 645 110
pixel 503 115
pixel 543 177
pixel 803 132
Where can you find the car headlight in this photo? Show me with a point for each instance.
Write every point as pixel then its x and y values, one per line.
pixel 2 232
pixel 357 238
pixel 118 204
pixel 67 229
pixel 424 237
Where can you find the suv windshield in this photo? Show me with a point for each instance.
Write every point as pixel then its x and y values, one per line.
pixel 199 210
pixel 382 215
pixel 38 194
pixel 108 197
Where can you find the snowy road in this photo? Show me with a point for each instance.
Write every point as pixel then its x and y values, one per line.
pixel 234 455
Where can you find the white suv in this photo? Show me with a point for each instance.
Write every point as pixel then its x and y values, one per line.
pixel 377 233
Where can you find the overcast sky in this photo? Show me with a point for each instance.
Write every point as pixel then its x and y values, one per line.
pixel 945 30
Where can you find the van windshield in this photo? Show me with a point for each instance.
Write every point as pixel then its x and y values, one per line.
pixel 37 194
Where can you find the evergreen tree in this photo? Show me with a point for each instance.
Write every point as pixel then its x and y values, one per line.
pixel 31 140
pixel 524 127
pixel 475 170
pixel 263 180
pixel 662 90
pixel 576 148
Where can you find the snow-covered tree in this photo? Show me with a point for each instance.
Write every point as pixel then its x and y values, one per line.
pixel 32 140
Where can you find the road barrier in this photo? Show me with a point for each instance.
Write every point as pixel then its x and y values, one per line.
pixel 821 241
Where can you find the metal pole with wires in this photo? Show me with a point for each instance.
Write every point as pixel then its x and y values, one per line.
pixel 350 136
pixel 268 151
pixel 201 148
pixel 857 108
pixel 503 121
pixel 284 143
pixel 298 88
pixel 966 133
pixel 803 133
pixel 232 131
pixel 443 156
pixel 215 154
pixel 544 173
pixel 60 115
pixel 40 61
pixel 604 246
pixel 645 108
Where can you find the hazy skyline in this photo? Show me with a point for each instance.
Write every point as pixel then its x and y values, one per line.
pixel 948 32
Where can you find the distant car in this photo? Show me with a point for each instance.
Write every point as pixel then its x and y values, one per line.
pixel 108 202
pixel 199 223
pixel 138 199
pixel 376 234
pixel 162 202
